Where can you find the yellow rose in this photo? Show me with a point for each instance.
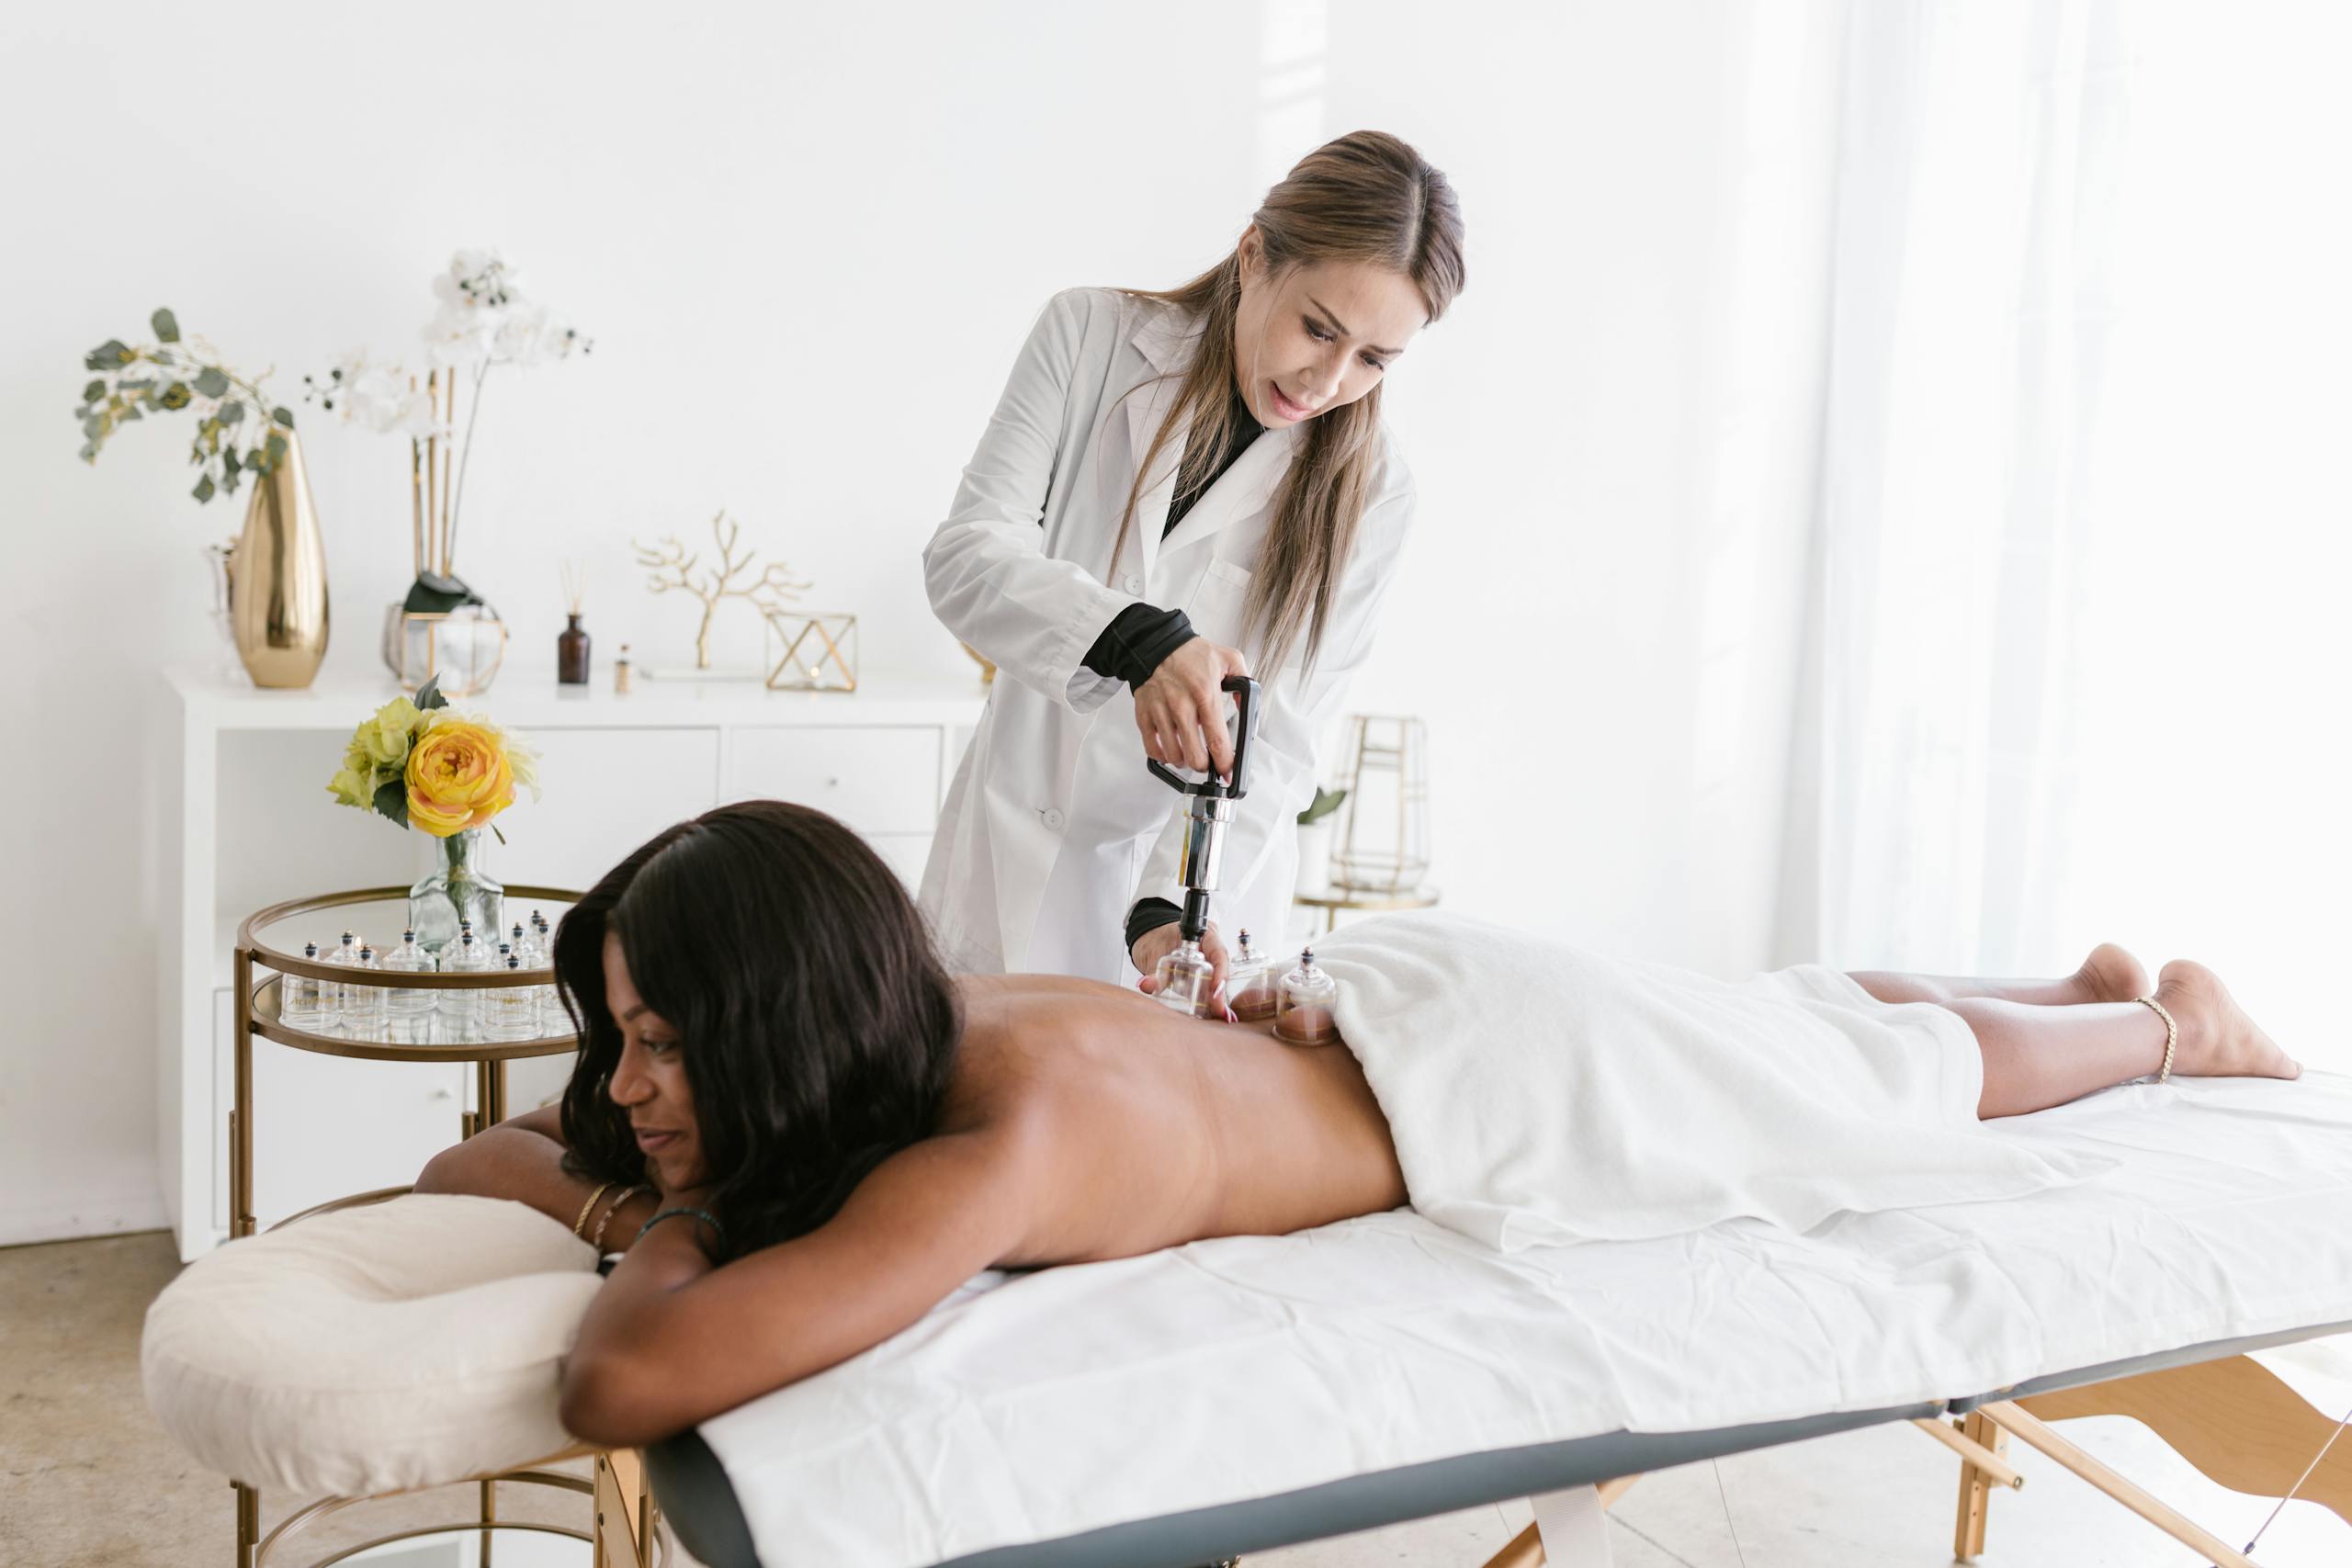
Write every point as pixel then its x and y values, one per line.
pixel 386 737
pixel 458 777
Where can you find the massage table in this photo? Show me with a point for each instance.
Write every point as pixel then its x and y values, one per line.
pixel 1235 1395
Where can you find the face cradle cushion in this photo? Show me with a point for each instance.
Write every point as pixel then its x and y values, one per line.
pixel 404 1344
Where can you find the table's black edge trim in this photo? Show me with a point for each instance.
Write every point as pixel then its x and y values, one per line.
pixel 701 1506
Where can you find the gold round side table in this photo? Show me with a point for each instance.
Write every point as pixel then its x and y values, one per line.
pixel 271 938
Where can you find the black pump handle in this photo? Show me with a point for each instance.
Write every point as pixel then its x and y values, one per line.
pixel 1245 690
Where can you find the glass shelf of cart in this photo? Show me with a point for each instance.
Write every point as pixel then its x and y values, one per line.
pixel 379 919
pixel 426 1038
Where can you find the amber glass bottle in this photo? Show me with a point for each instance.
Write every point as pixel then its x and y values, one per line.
pixel 571 654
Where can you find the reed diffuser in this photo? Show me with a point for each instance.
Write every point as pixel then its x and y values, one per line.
pixel 571 643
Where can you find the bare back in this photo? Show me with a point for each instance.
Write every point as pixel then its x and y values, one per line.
pixel 1143 1128
pixel 1082 1123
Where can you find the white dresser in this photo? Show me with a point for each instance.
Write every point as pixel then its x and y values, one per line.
pixel 245 821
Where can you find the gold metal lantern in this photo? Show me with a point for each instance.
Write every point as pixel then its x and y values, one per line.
pixel 1383 843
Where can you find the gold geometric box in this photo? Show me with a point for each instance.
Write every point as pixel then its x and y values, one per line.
pixel 820 651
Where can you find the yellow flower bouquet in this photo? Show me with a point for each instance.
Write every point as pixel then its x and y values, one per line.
pixel 422 764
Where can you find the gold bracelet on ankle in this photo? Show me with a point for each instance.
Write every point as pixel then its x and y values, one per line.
pixel 2172 1036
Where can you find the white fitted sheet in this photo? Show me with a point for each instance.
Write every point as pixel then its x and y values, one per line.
pixel 1037 1406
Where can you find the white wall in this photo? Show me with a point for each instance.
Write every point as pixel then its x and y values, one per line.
pixel 806 241
pixel 1613 433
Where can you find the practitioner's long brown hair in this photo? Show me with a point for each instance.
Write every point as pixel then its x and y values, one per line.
pixel 1365 197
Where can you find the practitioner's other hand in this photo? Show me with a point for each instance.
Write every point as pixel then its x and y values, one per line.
pixel 1182 710
pixel 1160 941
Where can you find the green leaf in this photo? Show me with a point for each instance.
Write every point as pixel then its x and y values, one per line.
pixel 273 453
pixel 229 459
pixel 391 800
pixel 110 355
pixel 203 491
pixel 94 426
pixel 428 696
pixel 166 325
pixel 1325 802
pixel 231 411
pixel 94 391
pixel 137 384
pixel 176 396
pixel 212 382
pixel 130 412
pixel 228 476
pixel 283 416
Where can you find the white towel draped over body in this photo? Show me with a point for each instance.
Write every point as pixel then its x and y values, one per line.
pixel 1539 1094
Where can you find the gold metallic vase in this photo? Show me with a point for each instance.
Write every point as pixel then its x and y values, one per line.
pixel 278 608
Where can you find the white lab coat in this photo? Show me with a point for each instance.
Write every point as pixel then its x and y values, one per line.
pixel 1053 827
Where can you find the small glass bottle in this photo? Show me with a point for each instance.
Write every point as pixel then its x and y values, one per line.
pixel 1188 982
pixel 408 1001
pixel 571 653
pixel 621 673
pixel 1249 981
pixel 1304 1008
pixel 305 1002
pixel 552 1018
pixel 508 1009
pixel 462 1008
pixel 341 995
pixel 366 1010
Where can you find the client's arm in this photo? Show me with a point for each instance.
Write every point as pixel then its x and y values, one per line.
pixel 522 1159
pixel 671 1341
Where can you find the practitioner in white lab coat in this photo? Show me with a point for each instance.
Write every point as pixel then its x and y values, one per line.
pixel 1177 487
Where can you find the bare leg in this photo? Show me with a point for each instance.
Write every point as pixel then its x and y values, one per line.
pixel 2038 1055
pixel 2109 975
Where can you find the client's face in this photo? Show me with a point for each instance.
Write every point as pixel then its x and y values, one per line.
pixel 649 1082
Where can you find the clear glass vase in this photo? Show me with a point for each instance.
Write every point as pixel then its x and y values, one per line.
pixel 458 889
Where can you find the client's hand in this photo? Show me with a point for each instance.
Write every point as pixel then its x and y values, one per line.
pixel 1182 709
pixel 1160 941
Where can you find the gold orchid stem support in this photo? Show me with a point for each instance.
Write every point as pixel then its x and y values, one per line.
pixel 465 448
pixel 416 500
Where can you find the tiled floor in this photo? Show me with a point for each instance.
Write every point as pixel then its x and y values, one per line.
pixel 88 1480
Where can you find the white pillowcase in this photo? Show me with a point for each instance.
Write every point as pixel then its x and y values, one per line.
pixel 408 1343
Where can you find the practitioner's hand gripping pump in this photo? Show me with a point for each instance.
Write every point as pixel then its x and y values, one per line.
pixel 1187 979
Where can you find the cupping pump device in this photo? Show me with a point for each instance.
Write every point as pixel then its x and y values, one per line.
pixel 1187 979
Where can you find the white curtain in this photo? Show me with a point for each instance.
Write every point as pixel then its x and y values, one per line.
pixel 2080 584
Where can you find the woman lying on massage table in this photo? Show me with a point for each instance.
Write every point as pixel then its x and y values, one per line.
pixel 841 1134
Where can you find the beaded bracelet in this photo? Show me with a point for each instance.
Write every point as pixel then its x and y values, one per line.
pixel 2172 1035
pixel 597 1240
pixel 674 1214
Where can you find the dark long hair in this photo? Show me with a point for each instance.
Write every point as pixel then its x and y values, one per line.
pixel 817 1026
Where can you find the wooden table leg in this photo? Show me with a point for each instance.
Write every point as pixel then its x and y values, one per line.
pixel 1976 1485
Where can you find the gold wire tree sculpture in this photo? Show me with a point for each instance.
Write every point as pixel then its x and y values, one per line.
pixel 671 569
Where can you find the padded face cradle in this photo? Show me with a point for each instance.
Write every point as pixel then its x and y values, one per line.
pixel 405 1344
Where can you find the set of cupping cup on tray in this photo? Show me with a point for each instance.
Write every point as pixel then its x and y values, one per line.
pixel 520 1010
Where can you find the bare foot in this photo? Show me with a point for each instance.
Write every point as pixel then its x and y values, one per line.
pixel 2217 1038
pixel 2111 975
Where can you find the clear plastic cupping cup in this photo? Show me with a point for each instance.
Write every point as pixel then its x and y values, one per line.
pixel 1188 982
pixel 307 1003
pixel 1249 981
pixel 408 958
pixel 1304 1009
